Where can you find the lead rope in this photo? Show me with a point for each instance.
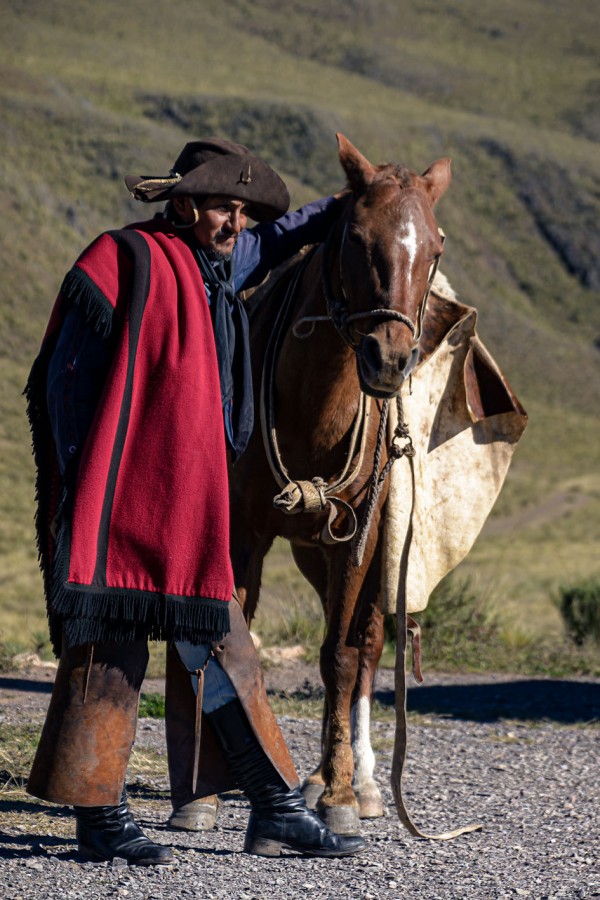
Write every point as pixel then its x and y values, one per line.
pixel 316 494
pixel 88 670
pixel 396 450
pixel 400 740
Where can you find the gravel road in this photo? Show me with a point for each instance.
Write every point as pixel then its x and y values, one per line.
pixel 519 755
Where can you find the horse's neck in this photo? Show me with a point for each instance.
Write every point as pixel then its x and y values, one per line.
pixel 317 389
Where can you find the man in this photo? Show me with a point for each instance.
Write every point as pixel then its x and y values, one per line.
pixel 141 387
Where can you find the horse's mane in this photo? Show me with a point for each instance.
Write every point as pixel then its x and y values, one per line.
pixel 399 173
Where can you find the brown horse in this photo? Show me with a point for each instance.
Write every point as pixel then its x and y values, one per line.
pixel 348 321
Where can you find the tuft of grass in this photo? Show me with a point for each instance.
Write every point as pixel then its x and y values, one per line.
pixel 298 620
pixel 580 608
pixel 8 651
pixel 152 706
pixel 18 744
pixel 296 704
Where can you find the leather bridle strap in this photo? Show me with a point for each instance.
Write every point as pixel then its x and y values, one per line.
pixel 337 308
pixel 302 495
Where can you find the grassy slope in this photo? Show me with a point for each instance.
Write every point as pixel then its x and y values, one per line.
pixel 92 91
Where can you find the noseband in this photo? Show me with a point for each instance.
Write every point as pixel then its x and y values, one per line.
pixel 337 307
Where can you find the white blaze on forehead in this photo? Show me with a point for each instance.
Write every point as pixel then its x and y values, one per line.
pixel 408 239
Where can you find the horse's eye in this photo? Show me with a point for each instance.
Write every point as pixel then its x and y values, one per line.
pixel 354 235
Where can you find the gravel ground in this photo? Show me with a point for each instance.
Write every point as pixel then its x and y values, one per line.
pixel 519 755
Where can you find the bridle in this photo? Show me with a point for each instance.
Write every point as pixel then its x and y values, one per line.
pixel 317 494
pixel 337 306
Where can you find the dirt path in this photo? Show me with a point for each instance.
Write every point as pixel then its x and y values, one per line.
pixel 518 754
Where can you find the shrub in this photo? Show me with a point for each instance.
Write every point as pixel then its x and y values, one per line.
pixel 579 605
pixel 458 629
pixel 152 706
pixel 8 651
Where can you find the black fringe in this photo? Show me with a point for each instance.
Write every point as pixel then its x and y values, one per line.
pixel 86 613
pixel 80 290
pixel 158 618
pixel 49 491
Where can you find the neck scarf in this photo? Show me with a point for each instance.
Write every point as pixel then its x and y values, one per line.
pixel 230 323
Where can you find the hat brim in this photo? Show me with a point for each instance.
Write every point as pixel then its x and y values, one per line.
pixel 241 177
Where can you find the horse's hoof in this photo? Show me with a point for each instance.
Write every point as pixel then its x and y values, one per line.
pixel 198 815
pixel 370 806
pixel 341 819
pixel 311 793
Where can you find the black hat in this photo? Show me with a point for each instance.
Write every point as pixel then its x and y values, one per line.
pixel 220 167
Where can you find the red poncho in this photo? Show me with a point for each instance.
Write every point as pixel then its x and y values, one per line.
pixel 142 547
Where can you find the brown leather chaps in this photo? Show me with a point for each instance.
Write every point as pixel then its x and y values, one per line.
pixel 86 741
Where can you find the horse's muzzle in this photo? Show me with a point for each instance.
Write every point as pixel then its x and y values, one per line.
pixel 381 372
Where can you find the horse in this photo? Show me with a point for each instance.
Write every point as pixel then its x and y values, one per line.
pixel 348 315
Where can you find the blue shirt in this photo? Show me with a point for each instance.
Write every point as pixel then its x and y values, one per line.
pixel 81 359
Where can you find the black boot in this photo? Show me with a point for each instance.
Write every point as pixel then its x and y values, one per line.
pixel 104 832
pixel 279 818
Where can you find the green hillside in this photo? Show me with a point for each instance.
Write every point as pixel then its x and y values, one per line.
pixel 92 91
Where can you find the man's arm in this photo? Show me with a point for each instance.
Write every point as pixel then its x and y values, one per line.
pixel 76 376
pixel 265 246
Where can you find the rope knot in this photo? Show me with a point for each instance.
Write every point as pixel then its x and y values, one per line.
pixel 302 496
pixel 397 451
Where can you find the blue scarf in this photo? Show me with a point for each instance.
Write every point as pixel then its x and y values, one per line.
pixel 230 323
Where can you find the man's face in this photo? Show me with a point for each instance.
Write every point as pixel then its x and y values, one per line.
pixel 220 220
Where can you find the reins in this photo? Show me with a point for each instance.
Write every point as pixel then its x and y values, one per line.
pixel 317 494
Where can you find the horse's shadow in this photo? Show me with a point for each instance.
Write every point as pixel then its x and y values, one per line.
pixel 29 685
pixel 554 700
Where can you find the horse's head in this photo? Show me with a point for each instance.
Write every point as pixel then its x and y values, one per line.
pixel 388 252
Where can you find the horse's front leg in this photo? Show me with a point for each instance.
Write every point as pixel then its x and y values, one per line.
pixel 338 805
pixel 370 639
pixel 312 562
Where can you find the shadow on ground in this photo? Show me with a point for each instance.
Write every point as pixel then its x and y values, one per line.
pixel 566 702
pixel 29 685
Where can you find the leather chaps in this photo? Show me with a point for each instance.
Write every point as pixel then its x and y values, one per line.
pixel 90 726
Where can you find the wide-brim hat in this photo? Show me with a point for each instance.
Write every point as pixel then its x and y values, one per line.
pixel 219 167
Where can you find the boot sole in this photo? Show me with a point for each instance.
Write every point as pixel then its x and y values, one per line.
pixel 267 847
pixel 90 856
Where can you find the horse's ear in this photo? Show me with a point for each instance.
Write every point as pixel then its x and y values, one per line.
pixel 357 167
pixel 437 178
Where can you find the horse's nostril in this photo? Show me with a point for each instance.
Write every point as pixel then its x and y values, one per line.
pixel 371 353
